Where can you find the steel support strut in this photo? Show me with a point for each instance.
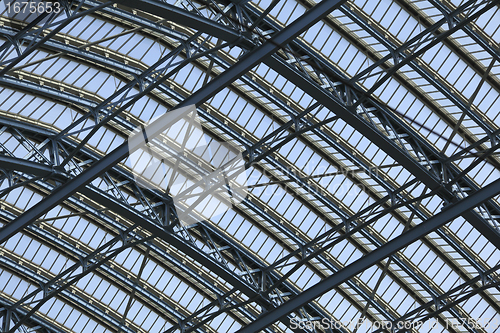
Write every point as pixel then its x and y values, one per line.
pixel 449 213
pixel 251 59
pixel 364 120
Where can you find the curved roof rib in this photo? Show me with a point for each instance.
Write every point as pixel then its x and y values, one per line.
pixel 370 137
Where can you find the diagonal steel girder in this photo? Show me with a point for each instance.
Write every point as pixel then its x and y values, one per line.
pixel 36 168
pixel 449 213
pixel 106 60
pixel 350 115
pixel 73 251
pixel 100 199
pixel 291 236
pixel 252 58
pixel 121 208
pixel 357 121
pixel 244 65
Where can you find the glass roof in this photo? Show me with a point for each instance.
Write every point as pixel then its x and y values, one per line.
pixel 310 183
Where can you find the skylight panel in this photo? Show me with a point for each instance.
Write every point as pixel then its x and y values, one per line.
pixel 287 202
pixel 367 6
pixel 93 25
pixel 487 251
pixel 104 84
pixel 125 43
pixel 484 313
pixel 111 43
pixel 381 10
pixel 332 45
pixel 490 103
pixel 314 226
pixel 301 276
pixel 257 242
pixel 298 10
pixel 488 22
pixel 273 251
pixel 316 30
pixel 298 152
pixel 236 223
pixel 75 73
pixel 142 49
pixel 233 107
pixel 407 27
pixel 278 9
pixel 100 29
pixel 13 99
pixel 88 74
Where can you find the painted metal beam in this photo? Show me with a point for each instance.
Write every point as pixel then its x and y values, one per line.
pixel 278 224
pixel 447 214
pixel 250 60
pixel 350 115
pixel 127 68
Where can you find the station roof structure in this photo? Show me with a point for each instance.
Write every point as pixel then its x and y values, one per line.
pixel 369 132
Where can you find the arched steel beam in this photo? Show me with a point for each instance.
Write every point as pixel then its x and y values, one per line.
pixel 294 236
pixel 340 148
pixel 477 221
pixel 377 32
pixel 425 73
pixel 124 210
pixel 35 168
pixel 101 166
pixel 101 316
pixel 129 125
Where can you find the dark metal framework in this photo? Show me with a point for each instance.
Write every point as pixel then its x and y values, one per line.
pixel 234 45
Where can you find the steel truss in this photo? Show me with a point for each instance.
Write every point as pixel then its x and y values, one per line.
pixel 145 212
pixel 278 224
pixel 389 248
pixel 348 101
pixel 310 72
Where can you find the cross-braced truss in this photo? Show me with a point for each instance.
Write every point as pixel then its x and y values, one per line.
pixel 370 137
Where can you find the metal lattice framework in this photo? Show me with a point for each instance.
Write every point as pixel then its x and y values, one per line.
pixel 371 139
